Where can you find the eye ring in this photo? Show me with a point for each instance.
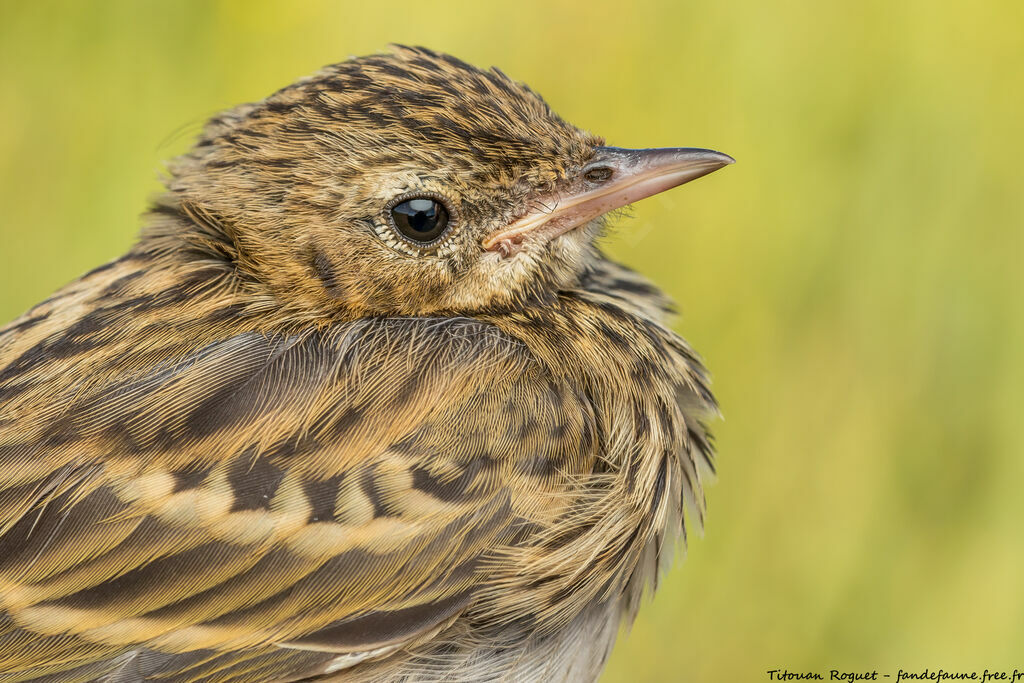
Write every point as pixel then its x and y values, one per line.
pixel 419 224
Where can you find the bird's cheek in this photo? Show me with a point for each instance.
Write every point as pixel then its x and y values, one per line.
pixel 431 290
pixel 327 272
pixel 495 281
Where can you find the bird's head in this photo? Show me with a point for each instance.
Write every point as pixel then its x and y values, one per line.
pixel 409 183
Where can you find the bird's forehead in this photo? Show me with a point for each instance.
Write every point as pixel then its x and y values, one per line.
pixel 418 102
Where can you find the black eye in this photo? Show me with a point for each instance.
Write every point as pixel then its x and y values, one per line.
pixel 421 220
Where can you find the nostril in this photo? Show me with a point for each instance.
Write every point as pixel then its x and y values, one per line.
pixel 598 174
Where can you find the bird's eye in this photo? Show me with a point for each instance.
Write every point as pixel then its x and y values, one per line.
pixel 422 220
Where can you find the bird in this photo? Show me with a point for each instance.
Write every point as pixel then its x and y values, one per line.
pixel 364 402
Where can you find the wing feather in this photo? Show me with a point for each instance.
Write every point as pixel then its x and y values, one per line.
pixel 264 502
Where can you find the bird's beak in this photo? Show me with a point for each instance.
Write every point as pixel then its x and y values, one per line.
pixel 614 178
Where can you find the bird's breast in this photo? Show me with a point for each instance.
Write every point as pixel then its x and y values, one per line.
pixel 645 392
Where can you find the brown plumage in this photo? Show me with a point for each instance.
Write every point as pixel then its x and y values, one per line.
pixel 364 402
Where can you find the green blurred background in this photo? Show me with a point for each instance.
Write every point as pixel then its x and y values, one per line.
pixel 854 282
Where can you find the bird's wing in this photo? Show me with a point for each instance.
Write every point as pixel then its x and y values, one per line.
pixel 266 503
